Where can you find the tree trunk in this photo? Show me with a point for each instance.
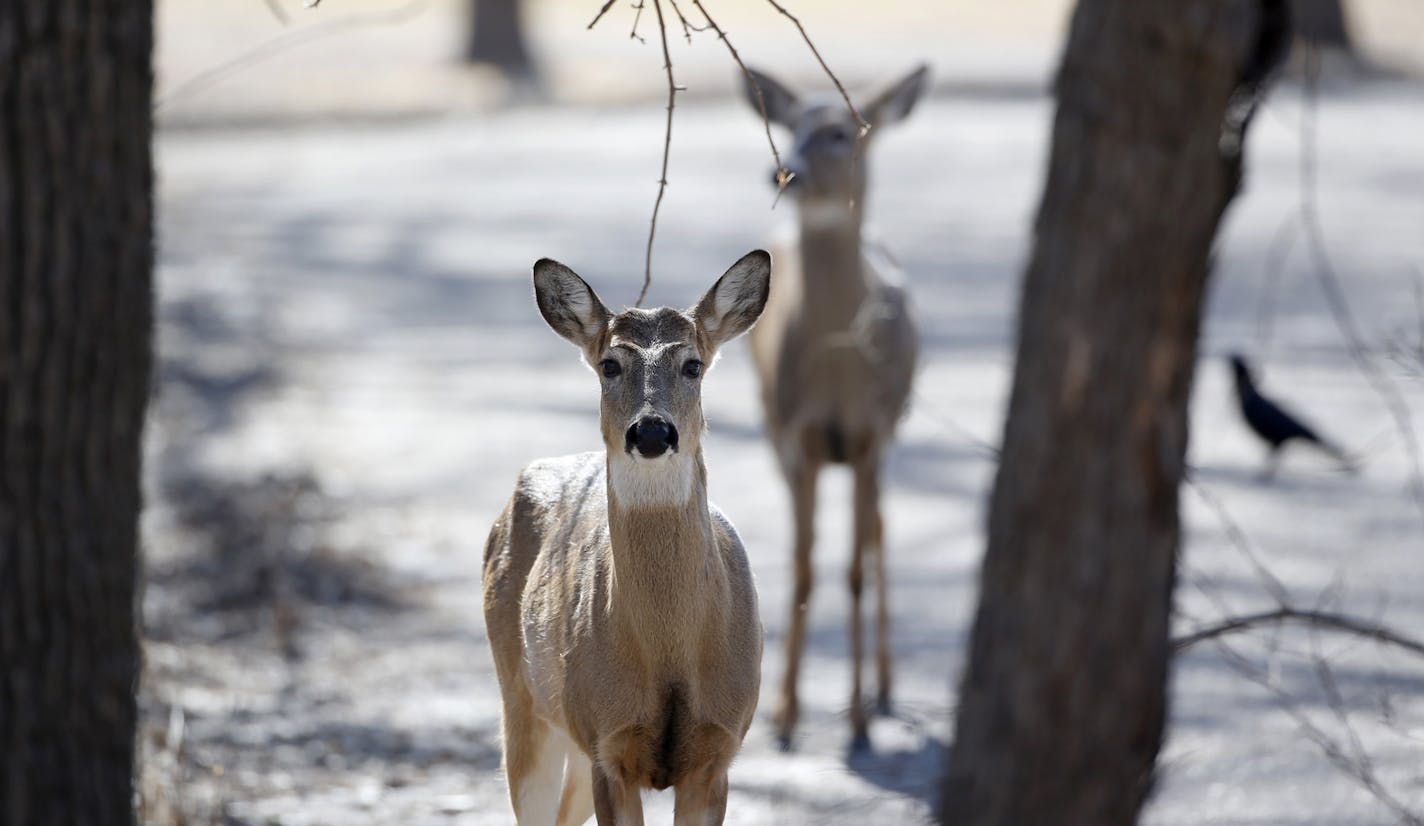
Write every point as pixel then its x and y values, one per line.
pixel 1064 699
pixel 497 37
pixel 1322 21
pixel 75 319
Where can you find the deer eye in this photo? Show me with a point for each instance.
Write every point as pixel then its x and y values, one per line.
pixel 610 368
pixel 692 369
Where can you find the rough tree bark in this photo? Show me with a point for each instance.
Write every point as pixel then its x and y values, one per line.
pixel 75 321
pixel 1064 699
pixel 496 37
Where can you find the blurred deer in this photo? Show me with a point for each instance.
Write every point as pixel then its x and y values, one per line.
pixel 835 351
pixel 618 602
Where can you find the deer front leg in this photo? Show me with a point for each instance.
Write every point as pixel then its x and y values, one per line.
pixel 576 803
pixel 802 482
pixel 534 764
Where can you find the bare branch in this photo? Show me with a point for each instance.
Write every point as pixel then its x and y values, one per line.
pixel 1360 771
pixel 275 6
pixel 688 27
pixel 1277 253
pixel 1335 295
pixel 602 11
pixel 637 16
pixel 783 175
pixel 284 43
pixel 864 125
pixel 1242 542
pixel 667 151
pixel 1315 619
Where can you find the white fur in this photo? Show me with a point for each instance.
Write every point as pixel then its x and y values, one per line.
pixel 637 482
pixel 824 214
pixel 540 789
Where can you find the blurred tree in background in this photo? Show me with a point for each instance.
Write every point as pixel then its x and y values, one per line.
pixel 76 255
pixel 496 37
pixel 1322 21
pixel 1064 697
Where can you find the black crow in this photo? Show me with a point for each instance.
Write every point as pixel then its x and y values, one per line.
pixel 1274 424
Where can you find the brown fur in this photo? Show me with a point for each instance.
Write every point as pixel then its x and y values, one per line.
pixel 625 633
pixel 835 352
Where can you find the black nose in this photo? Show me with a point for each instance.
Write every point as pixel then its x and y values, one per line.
pixel 651 436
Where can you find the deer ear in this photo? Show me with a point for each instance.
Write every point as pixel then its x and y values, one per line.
pixel 895 103
pixel 762 89
pixel 568 304
pixel 735 302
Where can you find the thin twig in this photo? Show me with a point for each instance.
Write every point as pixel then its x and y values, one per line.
pixel 275 6
pixel 667 151
pixel 286 42
pixel 864 125
pixel 1361 773
pixel 783 175
pixel 1238 537
pixel 1277 254
pixel 602 11
pixel 1335 295
pixel 688 27
pixel 1317 619
pixel 637 16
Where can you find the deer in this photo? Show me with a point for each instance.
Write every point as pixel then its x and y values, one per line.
pixel 618 601
pixel 835 354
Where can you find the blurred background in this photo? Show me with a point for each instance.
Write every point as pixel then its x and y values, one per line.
pixel 352 371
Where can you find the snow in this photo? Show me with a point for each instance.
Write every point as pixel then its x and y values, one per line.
pixel 381 272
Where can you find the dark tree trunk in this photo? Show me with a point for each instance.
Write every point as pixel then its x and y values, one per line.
pixel 1322 21
pixel 497 37
pixel 75 321
pixel 1064 699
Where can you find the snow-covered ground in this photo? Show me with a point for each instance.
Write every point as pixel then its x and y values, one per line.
pixel 374 283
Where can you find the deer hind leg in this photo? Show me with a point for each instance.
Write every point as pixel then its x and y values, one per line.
pixel 534 754
pixel 701 799
pixel 801 478
pixel 868 551
pixel 576 803
pixel 616 799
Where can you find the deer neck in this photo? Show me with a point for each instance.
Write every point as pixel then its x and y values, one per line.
pixel 666 573
pixel 831 262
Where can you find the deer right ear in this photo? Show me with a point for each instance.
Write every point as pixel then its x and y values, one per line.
pixel 763 90
pixel 568 304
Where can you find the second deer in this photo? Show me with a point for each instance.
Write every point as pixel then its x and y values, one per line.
pixel 835 351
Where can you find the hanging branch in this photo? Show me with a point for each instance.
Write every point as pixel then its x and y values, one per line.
pixel 783 175
pixel 864 125
pixel 667 151
pixel 688 27
pixel 286 42
pixel 638 16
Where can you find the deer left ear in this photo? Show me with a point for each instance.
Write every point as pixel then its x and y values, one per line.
pixel 735 302
pixel 895 103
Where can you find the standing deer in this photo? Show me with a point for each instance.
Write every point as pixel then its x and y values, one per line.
pixel 618 602
pixel 835 352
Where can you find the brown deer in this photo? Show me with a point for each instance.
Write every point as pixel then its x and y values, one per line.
pixel 835 352
pixel 618 602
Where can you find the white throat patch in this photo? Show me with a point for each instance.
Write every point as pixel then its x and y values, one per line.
pixel 826 214
pixel 663 482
